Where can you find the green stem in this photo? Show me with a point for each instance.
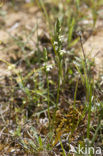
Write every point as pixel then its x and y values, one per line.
pixel 90 106
pixel 58 89
pixel 48 97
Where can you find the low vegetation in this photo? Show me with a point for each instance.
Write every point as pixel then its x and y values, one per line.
pixel 51 102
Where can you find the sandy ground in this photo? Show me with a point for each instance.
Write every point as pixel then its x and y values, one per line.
pixel 22 21
pixel 93 47
pixel 16 25
pixel 19 22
